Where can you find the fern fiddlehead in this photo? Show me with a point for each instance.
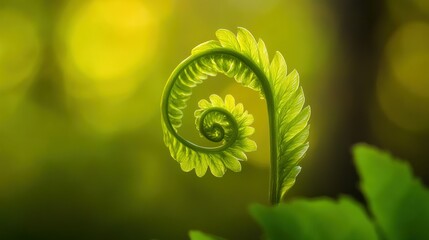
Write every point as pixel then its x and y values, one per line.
pixel 246 60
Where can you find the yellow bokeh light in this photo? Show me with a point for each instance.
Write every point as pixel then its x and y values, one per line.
pixel 408 56
pixel 20 58
pixel 110 39
pixel 19 49
pixel 403 82
pixel 106 48
pixel 400 107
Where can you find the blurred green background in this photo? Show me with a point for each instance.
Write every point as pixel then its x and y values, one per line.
pixel 81 150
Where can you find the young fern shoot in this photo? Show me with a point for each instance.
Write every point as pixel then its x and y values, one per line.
pixel 246 60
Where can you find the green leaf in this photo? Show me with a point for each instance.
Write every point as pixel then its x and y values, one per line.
pixel 315 219
pixel 248 44
pixel 198 235
pixel 264 59
pixel 206 46
pixel 397 200
pixel 227 39
pixel 278 69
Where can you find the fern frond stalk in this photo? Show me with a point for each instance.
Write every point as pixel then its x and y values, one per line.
pixel 242 58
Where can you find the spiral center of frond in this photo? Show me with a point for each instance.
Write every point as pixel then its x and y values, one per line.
pixel 213 127
pixel 217 124
pixel 214 133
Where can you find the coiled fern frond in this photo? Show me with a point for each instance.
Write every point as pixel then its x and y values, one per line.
pixel 246 60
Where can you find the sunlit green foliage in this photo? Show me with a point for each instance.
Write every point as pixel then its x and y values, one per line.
pixel 197 235
pixel 246 60
pixel 315 219
pixel 397 201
